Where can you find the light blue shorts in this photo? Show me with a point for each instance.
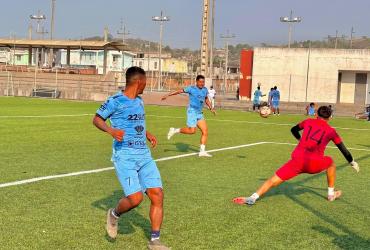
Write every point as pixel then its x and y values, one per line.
pixel 193 117
pixel 275 104
pixel 136 173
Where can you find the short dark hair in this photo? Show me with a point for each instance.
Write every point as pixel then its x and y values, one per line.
pixel 132 72
pixel 258 87
pixel 272 89
pixel 324 112
pixel 311 104
pixel 200 77
pixel 275 87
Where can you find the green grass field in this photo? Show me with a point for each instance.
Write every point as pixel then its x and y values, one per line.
pixel 69 213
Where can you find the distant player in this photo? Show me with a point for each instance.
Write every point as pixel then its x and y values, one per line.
pixel 198 95
pixel 256 98
pixel 275 101
pixel 269 97
pixel 135 168
pixel 310 109
pixel 308 157
pixel 212 96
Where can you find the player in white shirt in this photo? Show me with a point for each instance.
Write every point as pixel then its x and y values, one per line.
pixel 211 96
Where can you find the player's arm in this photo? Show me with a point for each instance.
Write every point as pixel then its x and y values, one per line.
pixel 348 156
pixel 295 131
pixel 151 138
pixel 101 124
pixel 173 93
pixel 209 105
pixel 102 114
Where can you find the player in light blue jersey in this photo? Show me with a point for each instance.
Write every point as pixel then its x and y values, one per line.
pixel 256 98
pixel 275 101
pixel 198 95
pixel 135 168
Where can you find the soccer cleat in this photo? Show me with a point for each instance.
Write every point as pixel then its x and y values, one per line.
pixel 171 133
pixel 355 166
pixel 157 245
pixel 244 201
pixel 112 224
pixel 336 195
pixel 204 154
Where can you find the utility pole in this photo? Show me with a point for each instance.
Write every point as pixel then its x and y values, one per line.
pixel 212 41
pixel 351 41
pixel 204 39
pixel 227 38
pixel 336 39
pixel 161 19
pixel 52 22
pixel 52 19
pixel 122 31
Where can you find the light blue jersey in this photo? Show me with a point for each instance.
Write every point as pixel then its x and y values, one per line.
pixel 275 95
pixel 257 96
pixel 134 165
pixel 197 97
pixel 311 110
pixel 128 115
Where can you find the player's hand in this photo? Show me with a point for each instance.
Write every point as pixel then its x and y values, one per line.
pixel 355 166
pixel 117 134
pixel 152 139
pixel 213 111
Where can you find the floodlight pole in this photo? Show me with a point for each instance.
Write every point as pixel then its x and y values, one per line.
pixel 124 33
pixel 227 38
pixel 161 19
pixel 290 20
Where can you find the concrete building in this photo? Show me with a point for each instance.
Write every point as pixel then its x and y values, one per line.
pixel 116 61
pixel 150 62
pixel 314 75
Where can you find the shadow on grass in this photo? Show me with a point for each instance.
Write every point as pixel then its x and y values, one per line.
pixel 183 148
pixel 347 241
pixel 292 190
pixel 128 221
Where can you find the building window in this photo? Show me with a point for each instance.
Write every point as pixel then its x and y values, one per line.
pixel 19 58
pixel 140 64
pixel 115 58
pixel 155 65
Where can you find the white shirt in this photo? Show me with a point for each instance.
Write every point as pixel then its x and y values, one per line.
pixel 211 93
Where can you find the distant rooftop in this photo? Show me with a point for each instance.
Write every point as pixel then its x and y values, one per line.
pixel 63 44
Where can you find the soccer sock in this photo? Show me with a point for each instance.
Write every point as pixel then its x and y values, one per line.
pixel 115 214
pixel 155 235
pixel 202 147
pixel 255 196
pixel 177 130
pixel 330 191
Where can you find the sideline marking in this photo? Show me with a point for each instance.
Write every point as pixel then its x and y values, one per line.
pixel 37 179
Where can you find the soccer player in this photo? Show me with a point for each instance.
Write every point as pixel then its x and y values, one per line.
pixel 310 109
pixel 275 101
pixel 308 157
pixel 211 96
pixel 269 97
pixel 198 94
pixel 135 168
pixel 256 99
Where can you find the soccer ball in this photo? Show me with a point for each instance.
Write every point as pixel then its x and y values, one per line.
pixel 265 111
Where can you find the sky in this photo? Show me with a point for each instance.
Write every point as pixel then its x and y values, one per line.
pixel 252 21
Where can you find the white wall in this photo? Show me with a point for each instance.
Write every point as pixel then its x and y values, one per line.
pixel 299 69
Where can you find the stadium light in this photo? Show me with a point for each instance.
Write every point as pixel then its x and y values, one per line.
pixel 290 20
pixel 161 19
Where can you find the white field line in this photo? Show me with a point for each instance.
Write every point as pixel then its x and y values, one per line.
pixel 43 116
pixel 32 180
pixel 178 117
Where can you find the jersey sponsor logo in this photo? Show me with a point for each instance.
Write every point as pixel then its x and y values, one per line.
pixel 139 129
pixel 133 144
pixel 103 107
pixel 136 117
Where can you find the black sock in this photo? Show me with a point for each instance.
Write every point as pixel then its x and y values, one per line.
pixel 115 213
